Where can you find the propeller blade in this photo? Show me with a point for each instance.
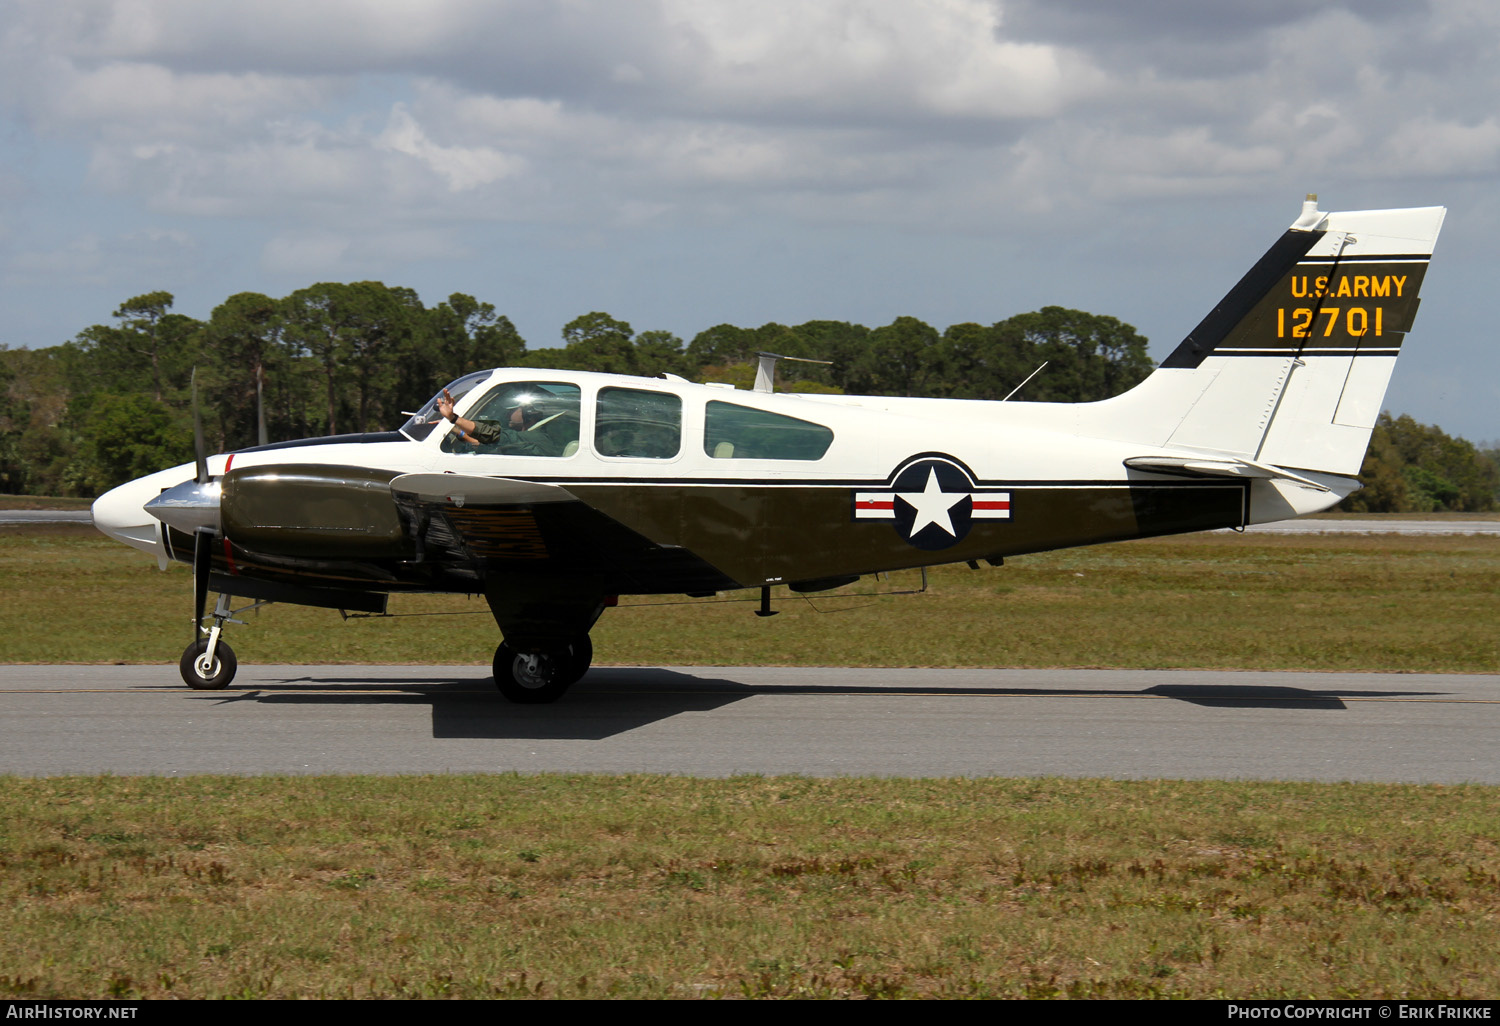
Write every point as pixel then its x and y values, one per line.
pixel 203 561
pixel 199 449
pixel 262 438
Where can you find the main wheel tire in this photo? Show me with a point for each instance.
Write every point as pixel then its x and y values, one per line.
pixel 579 659
pixel 207 678
pixel 538 678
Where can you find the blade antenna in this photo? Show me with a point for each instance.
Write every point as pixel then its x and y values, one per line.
pixel 260 407
pixel 765 369
pixel 1028 378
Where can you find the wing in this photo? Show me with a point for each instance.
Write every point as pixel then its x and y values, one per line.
pixel 483 527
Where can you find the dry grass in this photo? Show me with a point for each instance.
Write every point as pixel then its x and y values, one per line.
pixel 642 886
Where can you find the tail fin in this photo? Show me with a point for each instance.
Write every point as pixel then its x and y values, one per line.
pixel 1290 369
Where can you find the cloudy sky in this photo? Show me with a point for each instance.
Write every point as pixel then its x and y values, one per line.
pixel 682 163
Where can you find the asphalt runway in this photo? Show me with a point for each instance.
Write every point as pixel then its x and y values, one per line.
pixel 46 516
pixel 719 721
pixel 1376 526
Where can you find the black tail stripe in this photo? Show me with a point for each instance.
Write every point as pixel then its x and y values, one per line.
pixel 1233 308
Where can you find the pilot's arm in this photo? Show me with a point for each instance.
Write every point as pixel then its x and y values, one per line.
pixel 466 427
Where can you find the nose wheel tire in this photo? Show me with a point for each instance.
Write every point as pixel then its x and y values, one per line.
pixel 535 678
pixel 199 674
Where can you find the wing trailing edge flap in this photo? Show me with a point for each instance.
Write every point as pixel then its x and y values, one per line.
pixel 1198 466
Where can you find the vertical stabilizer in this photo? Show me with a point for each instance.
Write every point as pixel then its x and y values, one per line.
pixel 1290 368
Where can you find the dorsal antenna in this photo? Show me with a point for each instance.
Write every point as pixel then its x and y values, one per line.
pixel 1028 378
pixel 765 369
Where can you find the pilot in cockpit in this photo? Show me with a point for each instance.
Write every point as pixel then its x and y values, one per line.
pixel 516 435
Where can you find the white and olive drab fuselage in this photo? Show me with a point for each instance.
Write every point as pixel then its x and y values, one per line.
pixel 901 483
pixel 631 485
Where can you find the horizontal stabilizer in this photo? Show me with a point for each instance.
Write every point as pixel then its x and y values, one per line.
pixel 1196 466
pixel 461 489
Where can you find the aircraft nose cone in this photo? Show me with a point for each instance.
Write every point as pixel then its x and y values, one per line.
pixel 120 513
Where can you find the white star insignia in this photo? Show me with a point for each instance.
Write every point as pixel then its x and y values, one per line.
pixel 932 505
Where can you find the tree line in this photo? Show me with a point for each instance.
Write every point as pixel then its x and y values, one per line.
pixel 1417 468
pixel 115 402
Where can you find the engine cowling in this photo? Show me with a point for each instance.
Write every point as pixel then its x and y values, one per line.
pixel 313 510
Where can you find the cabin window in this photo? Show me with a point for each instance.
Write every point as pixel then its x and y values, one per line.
pixel 522 418
pixel 742 433
pixel 632 422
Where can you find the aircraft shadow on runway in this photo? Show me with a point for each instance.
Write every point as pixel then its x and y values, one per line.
pixel 473 708
pixel 616 700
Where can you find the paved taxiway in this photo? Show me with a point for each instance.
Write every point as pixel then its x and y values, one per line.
pixel 1376 526
pixel 718 721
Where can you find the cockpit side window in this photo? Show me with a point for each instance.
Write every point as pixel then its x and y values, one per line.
pixel 421 423
pixel 522 418
pixel 732 432
pixel 633 422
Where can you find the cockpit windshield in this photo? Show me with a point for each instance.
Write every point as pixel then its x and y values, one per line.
pixel 421 423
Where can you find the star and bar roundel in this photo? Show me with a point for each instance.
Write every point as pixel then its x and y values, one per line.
pixel 933 503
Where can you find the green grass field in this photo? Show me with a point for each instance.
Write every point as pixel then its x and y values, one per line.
pixel 648 886
pixel 1224 601
pixel 43 502
pixel 635 886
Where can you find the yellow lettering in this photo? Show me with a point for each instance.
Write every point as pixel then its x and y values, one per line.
pixel 1400 280
pixel 1380 286
pixel 1333 318
pixel 1299 286
pixel 1305 316
pixel 1361 285
pixel 1343 288
pixel 1320 286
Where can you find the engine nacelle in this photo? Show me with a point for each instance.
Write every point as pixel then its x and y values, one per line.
pixel 313 510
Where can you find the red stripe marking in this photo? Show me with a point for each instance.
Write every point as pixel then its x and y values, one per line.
pixel 875 504
pixel 992 504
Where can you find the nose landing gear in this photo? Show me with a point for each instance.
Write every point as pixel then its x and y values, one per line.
pixel 203 670
pixel 208 664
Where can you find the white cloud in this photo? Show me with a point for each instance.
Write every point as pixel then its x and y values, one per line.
pixel 944 112
pixel 328 256
pixel 121 99
pixel 462 167
pixel 330 137
pixel 953 110
pixel 315 255
pixel 1441 147
pixel 98 258
pixel 940 58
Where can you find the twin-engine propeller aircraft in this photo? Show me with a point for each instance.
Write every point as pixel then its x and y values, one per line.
pixel 554 492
